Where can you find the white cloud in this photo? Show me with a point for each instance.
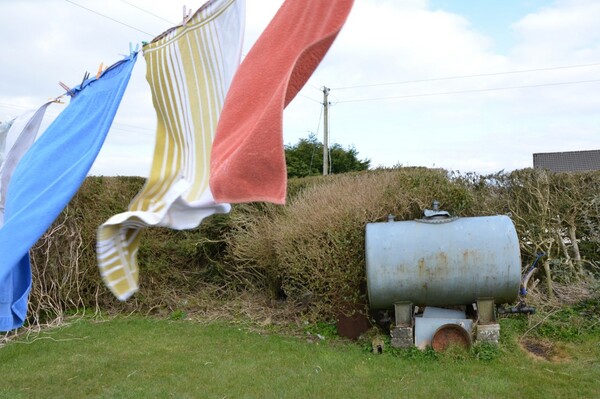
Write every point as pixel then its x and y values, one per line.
pixel 566 33
pixel 383 41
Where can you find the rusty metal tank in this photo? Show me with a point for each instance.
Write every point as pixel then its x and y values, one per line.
pixel 441 261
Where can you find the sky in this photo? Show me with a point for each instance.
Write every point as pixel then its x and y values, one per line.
pixel 468 86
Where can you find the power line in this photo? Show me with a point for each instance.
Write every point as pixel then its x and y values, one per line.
pixel 13 106
pixel 147 132
pixel 112 19
pixel 316 135
pixel 115 125
pixel 319 122
pixel 469 91
pixel 308 98
pixel 148 12
pixel 466 76
pixel 315 87
pixel 132 129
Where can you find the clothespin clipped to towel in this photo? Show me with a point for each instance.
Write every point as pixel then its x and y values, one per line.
pixel 132 52
pixel 187 14
pixel 70 92
pixel 100 70
pixel 67 88
pixel 57 100
pixel 86 76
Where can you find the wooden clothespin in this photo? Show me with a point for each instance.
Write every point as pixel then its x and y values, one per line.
pixel 57 100
pixel 100 70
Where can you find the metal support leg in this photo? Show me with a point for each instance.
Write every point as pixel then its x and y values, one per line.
pixel 488 329
pixel 402 331
pixel 404 314
pixel 485 308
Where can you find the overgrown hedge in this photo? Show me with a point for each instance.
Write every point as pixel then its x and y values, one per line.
pixel 311 251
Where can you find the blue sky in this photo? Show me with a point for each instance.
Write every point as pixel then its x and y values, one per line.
pixel 493 18
pixel 493 120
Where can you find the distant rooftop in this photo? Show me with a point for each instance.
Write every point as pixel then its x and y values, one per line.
pixel 570 161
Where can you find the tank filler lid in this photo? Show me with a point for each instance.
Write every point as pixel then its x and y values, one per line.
pixel 435 212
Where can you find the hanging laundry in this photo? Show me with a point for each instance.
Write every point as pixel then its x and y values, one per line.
pixel 189 69
pixel 247 160
pixel 48 176
pixel 4 126
pixel 23 131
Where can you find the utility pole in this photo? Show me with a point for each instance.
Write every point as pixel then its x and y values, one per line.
pixel 325 131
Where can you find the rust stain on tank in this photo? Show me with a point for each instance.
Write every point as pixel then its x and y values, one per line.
pixel 471 258
pixel 442 266
pixel 466 256
pixel 422 267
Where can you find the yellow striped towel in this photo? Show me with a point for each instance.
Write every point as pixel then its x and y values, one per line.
pixel 189 69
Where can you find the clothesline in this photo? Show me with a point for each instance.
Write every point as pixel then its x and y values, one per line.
pixel 215 144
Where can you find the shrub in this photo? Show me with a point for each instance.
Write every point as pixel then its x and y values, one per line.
pixel 311 251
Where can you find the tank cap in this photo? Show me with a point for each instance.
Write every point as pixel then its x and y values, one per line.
pixel 435 212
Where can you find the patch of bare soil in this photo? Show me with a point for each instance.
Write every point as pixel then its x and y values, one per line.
pixel 543 350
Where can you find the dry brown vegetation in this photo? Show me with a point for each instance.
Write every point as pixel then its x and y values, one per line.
pixel 309 255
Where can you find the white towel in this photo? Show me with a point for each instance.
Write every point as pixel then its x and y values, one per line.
pixel 21 134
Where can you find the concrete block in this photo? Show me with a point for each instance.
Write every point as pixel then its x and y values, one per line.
pixel 402 337
pixel 488 333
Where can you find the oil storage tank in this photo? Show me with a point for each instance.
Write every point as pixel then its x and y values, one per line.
pixel 442 261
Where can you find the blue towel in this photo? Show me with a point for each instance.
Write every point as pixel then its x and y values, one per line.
pixel 48 176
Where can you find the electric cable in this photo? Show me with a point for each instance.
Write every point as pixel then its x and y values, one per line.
pixel 467 76
pixel 312 157
pixel 112 19
pixel 115 125
pixel 467 91
pixel 148 12
pixel 308 98
pixel 319 122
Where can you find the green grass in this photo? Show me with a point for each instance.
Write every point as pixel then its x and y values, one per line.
pixel 149 358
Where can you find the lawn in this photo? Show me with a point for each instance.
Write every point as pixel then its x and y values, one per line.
pixel 151 358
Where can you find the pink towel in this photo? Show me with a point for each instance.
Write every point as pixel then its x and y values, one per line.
pixel 247 159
